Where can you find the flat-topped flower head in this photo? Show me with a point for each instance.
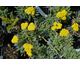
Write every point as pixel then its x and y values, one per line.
pixel 26 45
pixel 56 26
pixel 59 15
pixel 75 27
pixel 31 26
pixel 30 10
pixel 14 39
pixel 27 48
pixel 24 25
pixel 62 14
pixel 64 32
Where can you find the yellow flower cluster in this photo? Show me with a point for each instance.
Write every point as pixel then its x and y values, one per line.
pixel 62 14
pixel 56 26
pixel 24 25
pixel 30 10
pixel 27 48
pixel 64 32
pixel 31 26
pixel 14 39
pixel 75 27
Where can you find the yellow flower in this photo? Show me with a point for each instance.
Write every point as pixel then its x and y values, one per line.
pixel 30 10
pixel 29 53
pixel 59 15
pixel 64 32
pixel 62 14
pixel 14 39
pixel 64 18
pixel 56 26
pixel 33 12
pixel 25 45
pixel 75 27
pixel 31 26
pixel 27 48
pixel 24 25
pixel 27 11
pixel 55 23
pixel 53 28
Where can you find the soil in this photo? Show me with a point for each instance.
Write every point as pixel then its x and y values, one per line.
pixel 10 53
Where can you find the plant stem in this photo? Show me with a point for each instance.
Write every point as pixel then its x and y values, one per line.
pixel 50 45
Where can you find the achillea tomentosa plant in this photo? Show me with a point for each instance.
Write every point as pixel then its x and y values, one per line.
pixel 57 44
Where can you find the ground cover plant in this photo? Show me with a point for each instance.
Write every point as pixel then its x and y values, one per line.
pixel 43 37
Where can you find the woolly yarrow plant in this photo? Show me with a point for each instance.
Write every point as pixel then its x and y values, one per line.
pixel 45 37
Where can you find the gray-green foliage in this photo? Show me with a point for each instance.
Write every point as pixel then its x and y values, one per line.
pixel 55 45
pixel 21 12
pixel 64 46
pixel 57 9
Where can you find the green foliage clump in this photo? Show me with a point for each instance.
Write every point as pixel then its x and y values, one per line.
pixel 21 12
pixel 54 45
pixel 12 21
pixel 47 44
pixel 3 11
